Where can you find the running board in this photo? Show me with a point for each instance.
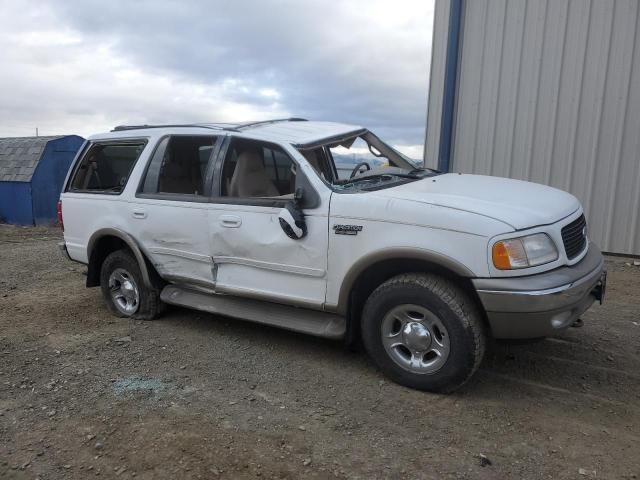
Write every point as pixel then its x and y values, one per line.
pixel 311 322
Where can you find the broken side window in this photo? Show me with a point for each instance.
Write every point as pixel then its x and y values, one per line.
pixel 106 166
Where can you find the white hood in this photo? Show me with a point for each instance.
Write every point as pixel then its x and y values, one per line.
pixel 514 202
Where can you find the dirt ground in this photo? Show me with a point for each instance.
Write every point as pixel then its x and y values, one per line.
pixel 84 394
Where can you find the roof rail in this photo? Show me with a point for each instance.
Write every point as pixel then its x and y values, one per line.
pixel 266 122
pixel 235 127
pixel 121 128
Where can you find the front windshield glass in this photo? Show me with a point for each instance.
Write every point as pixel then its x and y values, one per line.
pixel 347 157
pixel 362 162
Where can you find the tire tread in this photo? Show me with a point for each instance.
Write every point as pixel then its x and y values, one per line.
pixel 462 305
pixel 150 305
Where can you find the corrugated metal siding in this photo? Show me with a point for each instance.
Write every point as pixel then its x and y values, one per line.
pixel 436 83
pixel 549 91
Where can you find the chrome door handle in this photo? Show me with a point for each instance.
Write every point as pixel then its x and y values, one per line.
pixel 230 221
pixel 139 214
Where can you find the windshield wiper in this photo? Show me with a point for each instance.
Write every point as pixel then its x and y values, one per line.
pixel 431 171
pixel 378 176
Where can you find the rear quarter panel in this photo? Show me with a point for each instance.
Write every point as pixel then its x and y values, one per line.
pixel 86 213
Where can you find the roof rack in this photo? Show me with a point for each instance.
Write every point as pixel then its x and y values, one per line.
pixel 234 127
pixel 267 122
pixel 121 128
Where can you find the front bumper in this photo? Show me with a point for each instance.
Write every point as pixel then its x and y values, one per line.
pixel 543 304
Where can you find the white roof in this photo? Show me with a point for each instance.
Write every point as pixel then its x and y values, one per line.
pixel 294 132
pixel 299 132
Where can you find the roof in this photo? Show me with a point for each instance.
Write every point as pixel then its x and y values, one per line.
pixel 295 131
pixel 300 133
pixel 19 157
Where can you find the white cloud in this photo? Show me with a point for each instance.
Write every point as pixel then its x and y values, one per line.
pixel 91 88
pixel 166 62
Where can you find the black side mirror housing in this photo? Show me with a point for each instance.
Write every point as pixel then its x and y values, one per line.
pixel 292 220
pixel 304 194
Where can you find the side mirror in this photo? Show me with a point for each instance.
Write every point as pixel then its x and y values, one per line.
pixel 298 195
pixel 292 220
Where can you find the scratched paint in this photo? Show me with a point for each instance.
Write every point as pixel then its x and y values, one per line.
pixel 174 242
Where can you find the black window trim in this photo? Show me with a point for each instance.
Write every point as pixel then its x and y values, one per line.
pixel 183 197
pixel 108 141
pixel 80 155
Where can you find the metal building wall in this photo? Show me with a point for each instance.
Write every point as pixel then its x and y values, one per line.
pixel 15 203
pixel 549 91
pixel 437 82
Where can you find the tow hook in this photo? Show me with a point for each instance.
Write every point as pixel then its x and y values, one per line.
pixel 600 289
pixel 578 323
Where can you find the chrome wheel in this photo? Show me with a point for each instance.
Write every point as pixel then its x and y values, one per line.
pixel 415 338
pixel 124 291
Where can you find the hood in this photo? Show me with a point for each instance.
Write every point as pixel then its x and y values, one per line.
pixel 516 203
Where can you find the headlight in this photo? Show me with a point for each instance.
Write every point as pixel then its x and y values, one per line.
pixel 524 252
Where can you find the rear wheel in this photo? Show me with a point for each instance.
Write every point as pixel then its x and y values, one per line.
pixel 124 290
pixel 424 332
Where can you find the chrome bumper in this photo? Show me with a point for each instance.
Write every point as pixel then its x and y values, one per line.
pixel 543 304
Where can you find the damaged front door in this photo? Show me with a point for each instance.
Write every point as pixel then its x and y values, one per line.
pixel 253 255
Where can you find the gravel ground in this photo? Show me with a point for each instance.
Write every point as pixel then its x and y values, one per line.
pixel 192 395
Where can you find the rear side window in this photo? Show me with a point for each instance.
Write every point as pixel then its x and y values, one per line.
pixel 179 165
pixel 105 168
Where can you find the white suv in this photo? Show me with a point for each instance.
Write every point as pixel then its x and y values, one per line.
pixel 323 228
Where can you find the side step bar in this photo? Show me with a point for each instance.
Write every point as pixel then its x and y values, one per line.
pixel 311 322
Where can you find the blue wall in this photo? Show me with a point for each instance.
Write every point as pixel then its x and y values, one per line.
pixel 47 180
pixel 15 203
pixel 450 83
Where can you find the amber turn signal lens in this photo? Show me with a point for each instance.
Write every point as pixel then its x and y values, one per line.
pixel 523 252
pixel 501 256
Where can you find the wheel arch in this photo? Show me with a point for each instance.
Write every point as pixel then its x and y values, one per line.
pixel 373 269
pixel 107 240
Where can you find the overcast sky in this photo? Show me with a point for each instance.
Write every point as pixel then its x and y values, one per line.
pixel 84 66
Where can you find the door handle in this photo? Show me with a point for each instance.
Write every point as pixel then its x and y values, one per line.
pixel 139 214
pixel 230 221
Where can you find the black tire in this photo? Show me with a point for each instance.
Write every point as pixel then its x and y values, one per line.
pixel 452 307
pixel 149 305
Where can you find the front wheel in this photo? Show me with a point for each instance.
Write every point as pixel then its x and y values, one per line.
pixel 423 332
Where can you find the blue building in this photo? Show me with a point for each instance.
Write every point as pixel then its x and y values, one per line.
pixel 32 171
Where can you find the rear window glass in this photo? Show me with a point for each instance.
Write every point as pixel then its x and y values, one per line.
pixel 106 167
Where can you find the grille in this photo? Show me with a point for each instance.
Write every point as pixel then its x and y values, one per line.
pixel 574 237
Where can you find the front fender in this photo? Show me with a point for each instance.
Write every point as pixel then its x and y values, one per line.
pixel 395 253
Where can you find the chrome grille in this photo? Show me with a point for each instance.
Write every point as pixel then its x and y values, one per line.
pixel 574 237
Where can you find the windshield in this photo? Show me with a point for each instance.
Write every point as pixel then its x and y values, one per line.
pixel 362 162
